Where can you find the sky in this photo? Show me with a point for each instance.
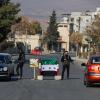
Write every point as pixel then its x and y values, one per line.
pixel 42 9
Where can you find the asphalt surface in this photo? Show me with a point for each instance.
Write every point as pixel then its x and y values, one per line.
pixel 29 89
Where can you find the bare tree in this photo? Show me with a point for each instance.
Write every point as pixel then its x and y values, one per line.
pixel 76 39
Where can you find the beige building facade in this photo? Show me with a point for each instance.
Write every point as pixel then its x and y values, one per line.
pixel 30 41
pixel 64 34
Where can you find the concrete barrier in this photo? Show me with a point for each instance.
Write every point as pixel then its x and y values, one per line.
pixel 39 77
pixel 58 77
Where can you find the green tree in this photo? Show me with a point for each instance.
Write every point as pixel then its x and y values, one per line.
pixel 8 12
pixel 53 34
pixel 76 39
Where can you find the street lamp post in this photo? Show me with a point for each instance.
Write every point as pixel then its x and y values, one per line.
pixel 26 43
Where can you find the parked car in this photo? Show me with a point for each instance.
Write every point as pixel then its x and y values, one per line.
pixel 92 70
pixel 49 67
pixel 37 51
pixel 6 65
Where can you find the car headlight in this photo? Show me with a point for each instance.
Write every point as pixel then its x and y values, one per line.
pixel 5 69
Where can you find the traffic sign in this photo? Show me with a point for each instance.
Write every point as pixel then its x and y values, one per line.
pixel 34 62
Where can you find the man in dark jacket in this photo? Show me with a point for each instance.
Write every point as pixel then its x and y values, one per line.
pixel 20 64
pixel 65 59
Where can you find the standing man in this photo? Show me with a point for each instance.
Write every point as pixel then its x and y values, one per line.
pixel 65 59
pixel 20 64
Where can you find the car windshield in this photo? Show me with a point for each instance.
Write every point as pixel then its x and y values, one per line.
pixel 95 60
pixel 38 48
pixel 8 59
pixel 5 59
pixel 2 59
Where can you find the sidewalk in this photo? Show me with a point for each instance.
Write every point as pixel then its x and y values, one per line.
pixel 80 59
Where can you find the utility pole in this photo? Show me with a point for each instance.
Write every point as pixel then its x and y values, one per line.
pixel 26 42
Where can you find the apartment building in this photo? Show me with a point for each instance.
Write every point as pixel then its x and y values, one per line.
pixel 76 22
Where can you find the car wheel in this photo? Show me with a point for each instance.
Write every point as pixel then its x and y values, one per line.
pixel 9 78
pixel 88 84
pixel 84 82
pixel 12 74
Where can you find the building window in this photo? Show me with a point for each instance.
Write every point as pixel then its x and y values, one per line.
pixel 77 25
pixel 72 19
pixel 71 28
pixel 65 25
pixel 87 27
pixel 67 20
pixel 87 20
pixel 60 25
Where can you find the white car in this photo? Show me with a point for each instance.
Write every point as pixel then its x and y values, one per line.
pixel 49 67
pixel 6 65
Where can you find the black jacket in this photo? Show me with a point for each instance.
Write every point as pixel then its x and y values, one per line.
pixel 66 58
pixel 21 57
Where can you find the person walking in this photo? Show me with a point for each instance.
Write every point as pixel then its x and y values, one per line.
pixel 65 59
pixel 20 64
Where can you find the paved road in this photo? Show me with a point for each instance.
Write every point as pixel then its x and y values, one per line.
pixel 28 89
